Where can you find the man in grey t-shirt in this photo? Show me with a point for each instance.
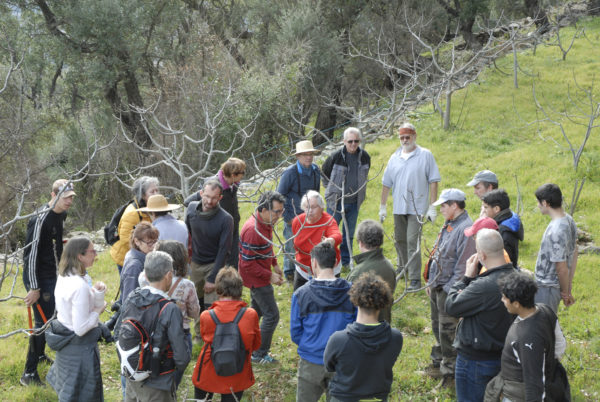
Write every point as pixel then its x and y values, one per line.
pixel 557 258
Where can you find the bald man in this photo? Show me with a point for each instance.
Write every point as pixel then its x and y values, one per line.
pixel 477 299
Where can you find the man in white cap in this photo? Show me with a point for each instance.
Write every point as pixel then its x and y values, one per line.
pixel 169 227
pixel 413 176
pixel 295 181
pixel 445 267
pixel 43 249
pixel 483 182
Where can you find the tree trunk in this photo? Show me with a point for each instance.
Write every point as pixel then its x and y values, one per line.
pixel 447 111
pixel 538 15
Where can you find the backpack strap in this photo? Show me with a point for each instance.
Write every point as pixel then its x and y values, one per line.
pixel 214 316
pixel 239 315
pixel 174 286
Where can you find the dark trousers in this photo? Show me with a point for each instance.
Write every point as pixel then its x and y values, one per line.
pixel 351 212
pixel 201 394
pixel 263 301
pixel 37 343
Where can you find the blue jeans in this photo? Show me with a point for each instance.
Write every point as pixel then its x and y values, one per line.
pixel 288 265
pixel 351 212
pixel 472 376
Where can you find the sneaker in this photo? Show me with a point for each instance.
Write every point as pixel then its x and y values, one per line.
pixel 266 359
pixel 45 359
pixel 28 379
pixel 433 371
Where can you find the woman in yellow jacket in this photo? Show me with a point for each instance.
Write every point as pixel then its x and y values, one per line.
pixel 142 189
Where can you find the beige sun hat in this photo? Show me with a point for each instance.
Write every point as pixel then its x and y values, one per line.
pixel 158 203
pixel 303 147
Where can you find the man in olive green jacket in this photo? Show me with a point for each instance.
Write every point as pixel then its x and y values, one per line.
pixel 371 259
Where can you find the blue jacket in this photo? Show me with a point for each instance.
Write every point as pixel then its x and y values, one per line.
pixel 319 308
pixel 295 182
pixel 132 267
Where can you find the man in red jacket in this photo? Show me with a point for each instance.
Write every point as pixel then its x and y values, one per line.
pixel 255 263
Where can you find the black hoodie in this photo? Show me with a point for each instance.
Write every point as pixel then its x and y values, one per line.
pixel 362 357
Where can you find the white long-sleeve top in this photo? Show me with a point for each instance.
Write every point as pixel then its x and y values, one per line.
pixel 74 303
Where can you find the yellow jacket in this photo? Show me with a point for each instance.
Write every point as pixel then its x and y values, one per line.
pixel 130 218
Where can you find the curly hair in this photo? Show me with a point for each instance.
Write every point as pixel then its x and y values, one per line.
pixel 519 286
pixel 229 283
pixel 370 233
pixel 370 292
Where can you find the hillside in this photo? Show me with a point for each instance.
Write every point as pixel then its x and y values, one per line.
pixel 493 127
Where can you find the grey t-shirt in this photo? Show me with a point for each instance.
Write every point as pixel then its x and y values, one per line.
pixel 558 244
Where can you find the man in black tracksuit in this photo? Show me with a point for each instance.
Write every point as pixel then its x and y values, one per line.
pixel 480 334
pixel 43 249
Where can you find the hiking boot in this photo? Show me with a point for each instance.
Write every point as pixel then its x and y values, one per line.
pixel 266 359
pixel 28 379
pixel 433 371
pixel 45 359
pixel 414 285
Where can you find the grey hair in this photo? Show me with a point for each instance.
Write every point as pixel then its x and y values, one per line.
pixel 157 265
pixel 351 130
pixel 370 233
pixel 141 185
pixel 311 194
pixel 408 125
pixel 212 183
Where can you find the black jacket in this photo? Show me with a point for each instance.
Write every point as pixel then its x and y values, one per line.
pixel 511 230
pixel 485 321
pixel 362 357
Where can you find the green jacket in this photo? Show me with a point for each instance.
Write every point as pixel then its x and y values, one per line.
pixel 374 261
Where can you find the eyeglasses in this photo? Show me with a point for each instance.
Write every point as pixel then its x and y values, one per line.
pixel 353 141
pixel 278 211
pixel 241 173
pixel 149 242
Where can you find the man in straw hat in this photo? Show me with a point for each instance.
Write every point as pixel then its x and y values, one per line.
pixel 412 175
pixel 295 181
pixel 169 228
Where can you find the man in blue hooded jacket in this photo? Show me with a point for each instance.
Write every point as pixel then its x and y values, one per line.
pixel 496 205
pixel 319 308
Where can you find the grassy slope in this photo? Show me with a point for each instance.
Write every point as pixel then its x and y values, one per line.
pixel 489 134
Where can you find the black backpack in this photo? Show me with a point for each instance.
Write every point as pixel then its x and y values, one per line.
pixel 111 230
pixel 227 350
pixel 141 342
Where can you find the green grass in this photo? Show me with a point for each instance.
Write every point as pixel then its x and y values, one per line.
pixel 493 132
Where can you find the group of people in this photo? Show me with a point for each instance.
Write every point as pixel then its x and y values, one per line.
pixel 346 345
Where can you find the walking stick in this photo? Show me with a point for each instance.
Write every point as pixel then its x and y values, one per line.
pixel 30 321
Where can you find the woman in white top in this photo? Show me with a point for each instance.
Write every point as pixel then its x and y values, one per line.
pixel 75 374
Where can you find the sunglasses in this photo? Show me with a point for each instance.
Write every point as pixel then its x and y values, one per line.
pixel 353 141
pixel 405 137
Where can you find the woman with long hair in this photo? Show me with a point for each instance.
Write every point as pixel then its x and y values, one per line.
pixel 75 373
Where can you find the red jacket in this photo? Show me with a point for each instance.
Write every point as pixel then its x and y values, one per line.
pixel 311 235
pixel 256 254
pixel 209 381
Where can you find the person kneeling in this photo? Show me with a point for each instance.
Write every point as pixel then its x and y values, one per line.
pixel 363 355
pixel 220 370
